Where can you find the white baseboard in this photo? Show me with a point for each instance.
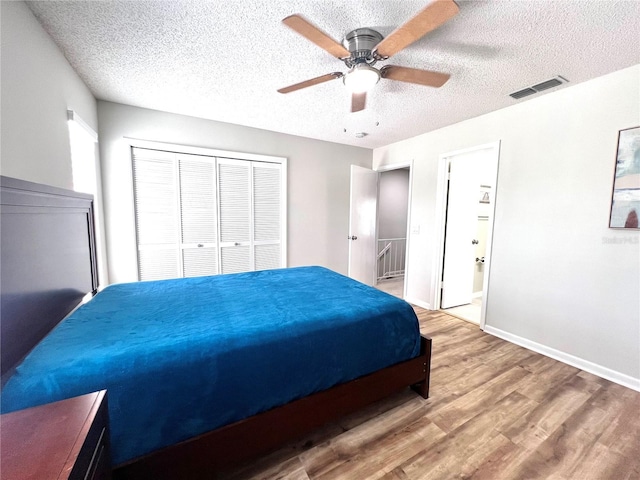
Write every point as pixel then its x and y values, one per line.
pixel 418 303
pixel 604 372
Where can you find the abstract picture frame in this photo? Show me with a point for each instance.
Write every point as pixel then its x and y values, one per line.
pixel 625 199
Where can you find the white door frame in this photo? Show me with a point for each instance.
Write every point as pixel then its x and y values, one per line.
pixel 441 215
pixel 387 168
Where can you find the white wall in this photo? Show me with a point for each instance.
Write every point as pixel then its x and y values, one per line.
pixel 318 181
pixel 37 87
pixel 561 281
pixel 393 202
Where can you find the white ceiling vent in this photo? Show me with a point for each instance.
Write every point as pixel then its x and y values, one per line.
pixel 547 84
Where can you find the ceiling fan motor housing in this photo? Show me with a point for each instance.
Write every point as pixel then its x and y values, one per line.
pixel 360 42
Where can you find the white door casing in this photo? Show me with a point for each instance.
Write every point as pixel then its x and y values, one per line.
pixel 362 224
pixel 491 154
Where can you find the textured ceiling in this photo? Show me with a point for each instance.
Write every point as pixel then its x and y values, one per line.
pixel 224 60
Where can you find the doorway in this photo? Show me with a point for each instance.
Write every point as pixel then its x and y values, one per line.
pixel 467 211
pixel 385 267
pixel 394 185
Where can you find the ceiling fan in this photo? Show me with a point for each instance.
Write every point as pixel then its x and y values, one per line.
pixel 362 48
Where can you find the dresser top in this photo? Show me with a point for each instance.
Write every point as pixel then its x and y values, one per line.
pixel 49 437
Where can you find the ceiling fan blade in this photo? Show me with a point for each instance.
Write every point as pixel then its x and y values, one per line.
pixel 358 101
pixel 428 19
pixel 414 75
pixel 311 82
pixel 315 35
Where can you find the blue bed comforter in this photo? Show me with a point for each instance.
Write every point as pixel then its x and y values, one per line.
pixel 181 357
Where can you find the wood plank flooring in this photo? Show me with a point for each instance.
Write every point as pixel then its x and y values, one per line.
pixel 496 411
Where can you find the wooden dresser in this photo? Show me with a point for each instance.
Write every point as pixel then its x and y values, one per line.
pixel 62 440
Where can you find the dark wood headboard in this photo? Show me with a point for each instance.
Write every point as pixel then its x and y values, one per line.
pixel 48 262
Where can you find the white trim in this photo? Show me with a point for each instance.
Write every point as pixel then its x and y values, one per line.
pixel 210 152
pixel 72 116
pixel 394 166
pixel 598 370
pixel 441 205
pixel 491 224
pixel 284 211
pixel 440 217
pixel 407 245
pixel 419 303
pixel 101 243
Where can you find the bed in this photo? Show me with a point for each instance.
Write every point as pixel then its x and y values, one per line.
pixel 200 372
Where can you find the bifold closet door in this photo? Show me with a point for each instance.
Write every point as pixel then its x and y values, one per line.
pixel 198 215
pixel 157 214
pixel 176 214
pixel 234 203
pixel 267 215
pixel 250 206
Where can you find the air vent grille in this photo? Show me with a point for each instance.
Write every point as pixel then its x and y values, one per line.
pixel 523 93
pixel 554 82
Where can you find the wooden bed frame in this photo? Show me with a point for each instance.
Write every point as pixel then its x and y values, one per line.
pixel 49 264
pixel 48 260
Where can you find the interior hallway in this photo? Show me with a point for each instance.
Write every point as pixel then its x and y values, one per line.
pixel 393 286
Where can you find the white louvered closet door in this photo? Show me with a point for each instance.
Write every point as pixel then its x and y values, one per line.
pixel 157 218
pixel 235 213
pixel 267 213
pixel 198 213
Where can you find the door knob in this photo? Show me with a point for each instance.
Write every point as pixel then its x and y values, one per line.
pixel 474 242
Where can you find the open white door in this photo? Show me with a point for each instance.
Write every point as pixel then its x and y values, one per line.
pixel 459 246
pixel 362 224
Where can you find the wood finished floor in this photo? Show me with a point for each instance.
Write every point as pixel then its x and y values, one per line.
pixel 496 411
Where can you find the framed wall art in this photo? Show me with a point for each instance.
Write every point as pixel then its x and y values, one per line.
pixel 625 202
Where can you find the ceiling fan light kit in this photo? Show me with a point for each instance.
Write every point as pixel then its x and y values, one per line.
pixel 363 47
pixel 361 78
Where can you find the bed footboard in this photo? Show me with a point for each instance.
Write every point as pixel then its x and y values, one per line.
pixel 202 456
pixel 422 388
